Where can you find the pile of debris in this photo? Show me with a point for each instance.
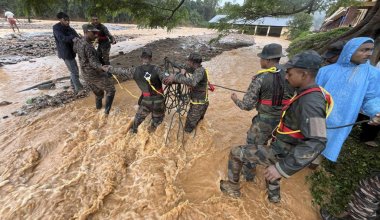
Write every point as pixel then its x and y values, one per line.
pixel 15 48
pixel 45 101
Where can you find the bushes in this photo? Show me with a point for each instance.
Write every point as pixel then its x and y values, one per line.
pixel 332 186
pixel 313 41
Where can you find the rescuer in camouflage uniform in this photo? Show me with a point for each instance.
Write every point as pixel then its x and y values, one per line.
pixel 268 92
pixel 104 40
pixel 149 79
pixel 365 202
pixel 92 71
pixel 301 135
pixel 198 81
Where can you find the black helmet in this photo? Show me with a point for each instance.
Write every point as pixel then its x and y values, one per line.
pixel 146 53
pixel 195 57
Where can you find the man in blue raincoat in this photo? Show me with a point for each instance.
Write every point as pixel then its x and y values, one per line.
pixel 354 86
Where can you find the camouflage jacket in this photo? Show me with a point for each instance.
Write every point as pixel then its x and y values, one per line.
pixel 104 36
pixel 198 82
pixel 88 60
pixel 307 114
pixel 138 73
pixel 261 88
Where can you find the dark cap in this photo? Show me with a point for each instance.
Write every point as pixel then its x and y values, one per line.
pixel 271 51
pixel 61 15
pixel 89 27
pixel 334 49
pixel 195 57
pixel 305 60
pixel 146 53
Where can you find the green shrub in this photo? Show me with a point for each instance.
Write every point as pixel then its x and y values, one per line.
pixel 333 185
pixel 313 41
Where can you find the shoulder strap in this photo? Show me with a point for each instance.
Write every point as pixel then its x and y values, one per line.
pixel 307 91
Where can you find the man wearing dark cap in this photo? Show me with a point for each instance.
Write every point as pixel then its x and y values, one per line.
pixel 64 35
pixel 92 70
pixel 198 82
pixel 268 92
pixel 300 135
pixel 105 39
pixel 333 52
pixel 149 79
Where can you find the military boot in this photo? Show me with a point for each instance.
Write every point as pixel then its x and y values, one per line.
pixel 109 100
pixel 98 102
pixel 327 216
pixel 274 192
pixel 231 189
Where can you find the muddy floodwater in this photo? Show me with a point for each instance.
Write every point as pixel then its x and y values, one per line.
pixel 73 163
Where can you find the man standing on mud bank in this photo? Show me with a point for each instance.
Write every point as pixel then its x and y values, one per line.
pixel 64 35
pixel 354 84
pixel 198 81
pixel 104 39
pixel 268 92
pixel 9 16
pixel 92 70
pixel 149 79
pixel 301 133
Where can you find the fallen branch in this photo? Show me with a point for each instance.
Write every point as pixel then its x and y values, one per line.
pixel 43 83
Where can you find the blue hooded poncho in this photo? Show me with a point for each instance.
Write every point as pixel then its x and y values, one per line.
pixel 354 88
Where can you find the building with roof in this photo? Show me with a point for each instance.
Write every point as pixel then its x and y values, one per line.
pixel 266 26
pixel 348 16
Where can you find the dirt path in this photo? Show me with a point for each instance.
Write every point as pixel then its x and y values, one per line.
pixel 71 162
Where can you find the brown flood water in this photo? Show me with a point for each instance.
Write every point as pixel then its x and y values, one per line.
pixel 72 163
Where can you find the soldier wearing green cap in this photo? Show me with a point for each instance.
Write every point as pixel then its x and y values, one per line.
pixel 92 71
pixel 198 81
pixel 268 92
pixel 300 135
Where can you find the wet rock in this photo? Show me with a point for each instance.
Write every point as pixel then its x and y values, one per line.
pixel 17 48
pixel 3 103
pixel 19 112
pixel 45 101
pixel 47 86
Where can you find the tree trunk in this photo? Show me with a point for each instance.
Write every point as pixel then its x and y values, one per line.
pixel 368 27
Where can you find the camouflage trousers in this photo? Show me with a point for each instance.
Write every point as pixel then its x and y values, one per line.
pixel 261 129
pixel 366 199
pixel 259 133
pixel 104 53
pixel 194 115
pixel 100 84
pixel 252 154
pixel 154 105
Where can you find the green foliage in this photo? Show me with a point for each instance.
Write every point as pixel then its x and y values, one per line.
pixel 313 41
pixel 255 9
pixel 301 23
pixel 332 186
pixel 146 13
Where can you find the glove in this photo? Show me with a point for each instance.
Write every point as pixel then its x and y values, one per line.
pixel 211 87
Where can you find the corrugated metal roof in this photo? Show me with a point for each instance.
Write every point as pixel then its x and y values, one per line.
pixel 265 21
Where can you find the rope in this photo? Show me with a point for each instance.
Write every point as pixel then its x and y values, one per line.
pixel 176 98
pixel 123 87
pixel 223 87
